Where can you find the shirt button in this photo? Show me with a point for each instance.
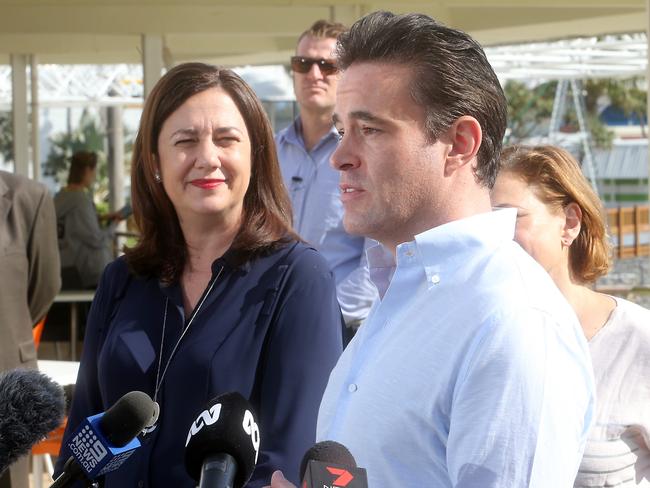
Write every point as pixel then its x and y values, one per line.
pixel 352 387
pixel 140 484
pixel 435 279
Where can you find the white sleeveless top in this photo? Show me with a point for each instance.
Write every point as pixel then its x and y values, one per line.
pixel 617 452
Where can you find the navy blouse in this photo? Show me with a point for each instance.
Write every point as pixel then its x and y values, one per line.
pixel 269 329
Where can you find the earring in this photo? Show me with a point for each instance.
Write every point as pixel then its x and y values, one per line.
pixel 156 177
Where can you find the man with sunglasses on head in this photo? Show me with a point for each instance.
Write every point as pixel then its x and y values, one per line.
pixel 304 150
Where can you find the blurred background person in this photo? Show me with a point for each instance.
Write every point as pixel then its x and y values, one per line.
pixel 304 151
pixel 29 264
pixel 560 223
pixel 85 246
pixel 219 294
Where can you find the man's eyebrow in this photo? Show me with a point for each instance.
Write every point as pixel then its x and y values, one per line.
pixel 361 115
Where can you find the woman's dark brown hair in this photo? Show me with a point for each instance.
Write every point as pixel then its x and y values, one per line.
pixel 266 220
pixel 80 162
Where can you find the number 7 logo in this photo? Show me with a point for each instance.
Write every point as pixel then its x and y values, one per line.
pixel 344 476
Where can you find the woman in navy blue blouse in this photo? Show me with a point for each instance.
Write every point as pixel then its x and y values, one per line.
pixel 219 294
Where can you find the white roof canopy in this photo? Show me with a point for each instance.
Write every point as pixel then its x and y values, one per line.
pixel 241 32
pixel 595 57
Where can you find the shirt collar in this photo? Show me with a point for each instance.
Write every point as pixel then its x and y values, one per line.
pixel 461 236
pixel 293 134
pixel 443 249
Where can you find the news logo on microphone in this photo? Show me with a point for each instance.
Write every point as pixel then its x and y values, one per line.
pixel 94 452
pixel 327 475
pixel 223 443
pixel 329 464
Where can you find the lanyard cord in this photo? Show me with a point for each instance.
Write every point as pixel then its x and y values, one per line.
pixel 159 377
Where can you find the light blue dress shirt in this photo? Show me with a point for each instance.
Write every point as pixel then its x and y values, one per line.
pixel 471 371
pixel 313 187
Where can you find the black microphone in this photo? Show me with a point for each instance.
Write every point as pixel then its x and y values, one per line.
pixel 31 406
pixel 330 464
pixel 223 443
pixel 104 441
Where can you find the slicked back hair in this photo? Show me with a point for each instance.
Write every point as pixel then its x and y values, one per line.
pixel 451 75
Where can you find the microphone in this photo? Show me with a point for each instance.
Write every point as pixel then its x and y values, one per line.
pixel 31 406
pixel 223 443
pixel 103 442
pixel 329 464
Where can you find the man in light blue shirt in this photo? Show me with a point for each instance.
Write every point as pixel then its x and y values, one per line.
pixel 304 150
pixel 471 370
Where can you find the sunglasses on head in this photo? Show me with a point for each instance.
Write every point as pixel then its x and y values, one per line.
pixel 302 64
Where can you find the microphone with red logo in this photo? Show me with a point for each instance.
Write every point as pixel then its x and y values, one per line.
pixel 329 464
pixel 223 443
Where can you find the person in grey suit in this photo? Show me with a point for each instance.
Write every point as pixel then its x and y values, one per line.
pixel 30 270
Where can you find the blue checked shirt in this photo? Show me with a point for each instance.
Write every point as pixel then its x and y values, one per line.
pixel 313 187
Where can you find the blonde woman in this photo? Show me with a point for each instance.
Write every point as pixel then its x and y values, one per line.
pixel 560 223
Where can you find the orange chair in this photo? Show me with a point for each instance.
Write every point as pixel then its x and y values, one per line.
pixel 42 454
pixel 37 331
pixel 43 451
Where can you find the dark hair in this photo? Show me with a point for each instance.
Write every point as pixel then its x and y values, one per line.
pixel 266 219
pixel 557 180
pixel 79 164
pixel 451 75
pixel 324 29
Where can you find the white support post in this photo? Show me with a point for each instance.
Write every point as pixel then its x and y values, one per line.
pixel 647 75
pixel 152 61
pixel 19 113
pixel 114 117
pixel 36 148
pixel 647 18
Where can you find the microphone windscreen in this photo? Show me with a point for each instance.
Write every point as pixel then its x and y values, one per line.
pixel 31 406
pixel 328 452
pixel 226 426
pixel 127 417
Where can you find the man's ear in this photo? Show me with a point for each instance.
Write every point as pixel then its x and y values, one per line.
pixel 465 135
pixel 572 223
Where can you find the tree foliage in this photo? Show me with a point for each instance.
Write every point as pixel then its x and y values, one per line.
pixel 6 137
pixel 530 108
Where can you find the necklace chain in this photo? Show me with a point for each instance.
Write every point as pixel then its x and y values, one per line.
pixel 160 377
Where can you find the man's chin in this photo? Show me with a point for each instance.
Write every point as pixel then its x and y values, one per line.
pixel 356 226
pixel 317 101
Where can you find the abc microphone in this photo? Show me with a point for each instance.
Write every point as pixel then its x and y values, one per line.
pixel 223 443
pixel 328 464
pixel 31 406
pixel 104 441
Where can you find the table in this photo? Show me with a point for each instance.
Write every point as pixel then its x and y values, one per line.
pixel 73 297
pixel 63 372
